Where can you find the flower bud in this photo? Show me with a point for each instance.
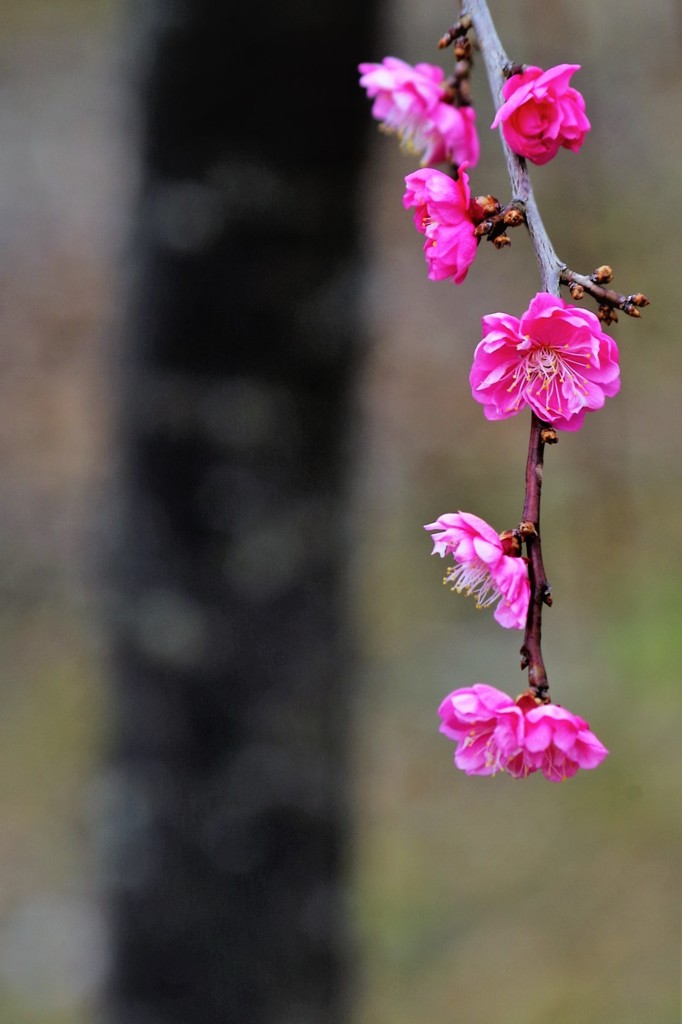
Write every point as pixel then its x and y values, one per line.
pixel 602 275
pixel 463 49
pixel 501 240
pixel 513 217
pixel 577 291
pixel 513 69
pixel 607 314
pixel 482 207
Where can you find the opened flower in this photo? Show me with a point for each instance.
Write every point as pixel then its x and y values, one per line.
pixel 417 104
pixel 555 359
pixel 542 113
pixel 485 724
pixel 494 733
pixel 442 214
pixel 484 566
pixel 558 743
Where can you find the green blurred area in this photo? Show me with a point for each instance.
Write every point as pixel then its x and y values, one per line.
pixel 474 899
pixel 63 183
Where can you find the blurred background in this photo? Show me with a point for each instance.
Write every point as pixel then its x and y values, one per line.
pixel 472 899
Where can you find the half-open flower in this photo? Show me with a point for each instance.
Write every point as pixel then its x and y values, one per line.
pixel 416 103
pixel 486 725
pixel 542 113
pixel 484 567
pixel 558 743
pixel 442 214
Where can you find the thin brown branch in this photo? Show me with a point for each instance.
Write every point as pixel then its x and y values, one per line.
pixel 456 31
pixel 553 273
pixel 607 298
pixel 498 67
pixel 531 652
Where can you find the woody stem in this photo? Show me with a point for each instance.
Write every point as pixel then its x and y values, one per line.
pixel 540 591
pixel 498 66
pixel 496 61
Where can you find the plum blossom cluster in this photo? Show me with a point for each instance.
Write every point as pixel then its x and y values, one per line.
pixel 494 733
pixel 555 359
pixel 541 114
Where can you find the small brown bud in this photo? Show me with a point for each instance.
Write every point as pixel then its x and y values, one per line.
pixel 460 28
pixel 527 529
pixel 631 310
pixel 513 217
pixel 500 241
pixel 463 49
pixel 577 291
pixel 607 314
pixel 482 229
pixel 481 207
pixel 602 275
pixel 548 435
pixel 638 299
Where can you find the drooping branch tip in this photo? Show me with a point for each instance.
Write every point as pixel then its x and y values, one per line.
pixel 456 31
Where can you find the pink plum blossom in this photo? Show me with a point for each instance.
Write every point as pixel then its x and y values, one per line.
pixel 416 103
pixel 558 743
pixel 542 112
pixel 486 725
pixel 442 214
pixel 555 359
pixel 484 569
pixel 495 733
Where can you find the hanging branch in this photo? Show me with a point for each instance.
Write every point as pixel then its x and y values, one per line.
pixel 539 361
pixel 540 590
pixel 553 271
pixel 498 67
pixel 551 267
pixel 608 299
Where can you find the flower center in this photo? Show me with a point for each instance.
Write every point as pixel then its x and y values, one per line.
pixel 474 579
pixel 547 370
